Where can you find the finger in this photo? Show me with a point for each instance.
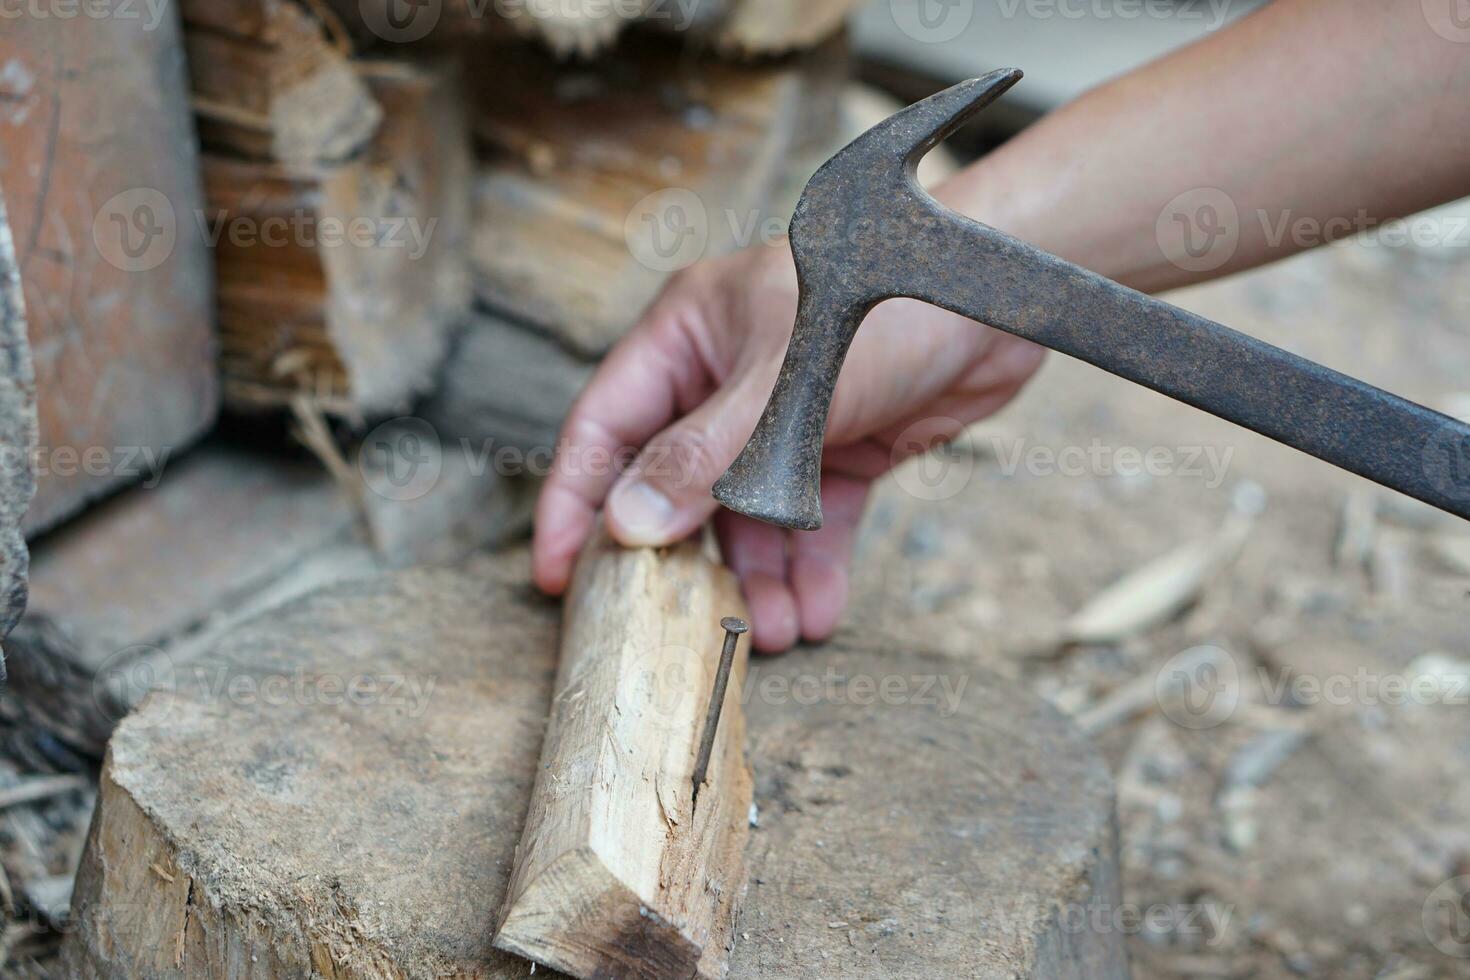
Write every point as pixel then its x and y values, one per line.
pixel 637 390
pixel 756 553
pixel 665 494
pixel 820 560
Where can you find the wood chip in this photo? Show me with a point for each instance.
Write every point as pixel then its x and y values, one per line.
pixel 1156 591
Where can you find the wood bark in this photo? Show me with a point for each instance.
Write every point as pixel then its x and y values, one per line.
pixel 17 434
pixel 352 304
pixel 99 167
pixel 916 817
pixel 604 179
pixel 619 872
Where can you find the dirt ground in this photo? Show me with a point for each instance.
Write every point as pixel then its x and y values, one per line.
pixel 1297 804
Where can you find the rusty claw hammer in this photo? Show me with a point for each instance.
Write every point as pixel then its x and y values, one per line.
pixel 865 231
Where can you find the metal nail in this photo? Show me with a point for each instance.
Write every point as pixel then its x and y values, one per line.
pixel 733 627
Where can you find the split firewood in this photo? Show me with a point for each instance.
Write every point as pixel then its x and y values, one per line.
pixel 580 27
pixel 97 162
pixel 97 634
pixel 261 814
pixel 270 82
pixel 744 27
pixel 763 27
pixel 604 179
pixel 90 607
pixel 506 389
pixel 619 871
pixel 342 283
pixel 17 435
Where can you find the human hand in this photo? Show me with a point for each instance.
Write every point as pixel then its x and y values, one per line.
pixel 688 383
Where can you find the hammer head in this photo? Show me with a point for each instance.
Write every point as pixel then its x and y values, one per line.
pixel 859 224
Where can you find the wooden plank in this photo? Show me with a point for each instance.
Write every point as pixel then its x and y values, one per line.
pixel 98 163
pixel 268 82
pixel 375 837
pixel 17 434
pixel 618 872
pixel 352 302
pixel 589 163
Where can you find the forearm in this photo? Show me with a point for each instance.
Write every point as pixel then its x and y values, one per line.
pixel 1309 115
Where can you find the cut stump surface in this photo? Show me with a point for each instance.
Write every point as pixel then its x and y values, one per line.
pixel 340 788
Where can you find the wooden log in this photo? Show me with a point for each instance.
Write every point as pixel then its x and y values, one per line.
pixel 506 387
pixel 17 434
pixel 290 528
pixel 940 816
pixel 744 27
pixel 342 283
pixel 269 83
pixel 429 497
pixel 98 163
pixel 618 872
pixel 766 27
pixel 604 179
pixel 160 560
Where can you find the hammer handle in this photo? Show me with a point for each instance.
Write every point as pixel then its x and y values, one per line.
pixel 1363 429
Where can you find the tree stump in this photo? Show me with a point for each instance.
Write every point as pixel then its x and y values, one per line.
pixel 339 789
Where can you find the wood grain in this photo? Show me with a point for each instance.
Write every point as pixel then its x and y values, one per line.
pixel 269 82
pixel 618 873
pixel 585 163
pixel 360 326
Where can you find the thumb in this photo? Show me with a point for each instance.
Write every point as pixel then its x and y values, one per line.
pixel 665 495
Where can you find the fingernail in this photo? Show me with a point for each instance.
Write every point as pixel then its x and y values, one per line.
pixel 642 513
